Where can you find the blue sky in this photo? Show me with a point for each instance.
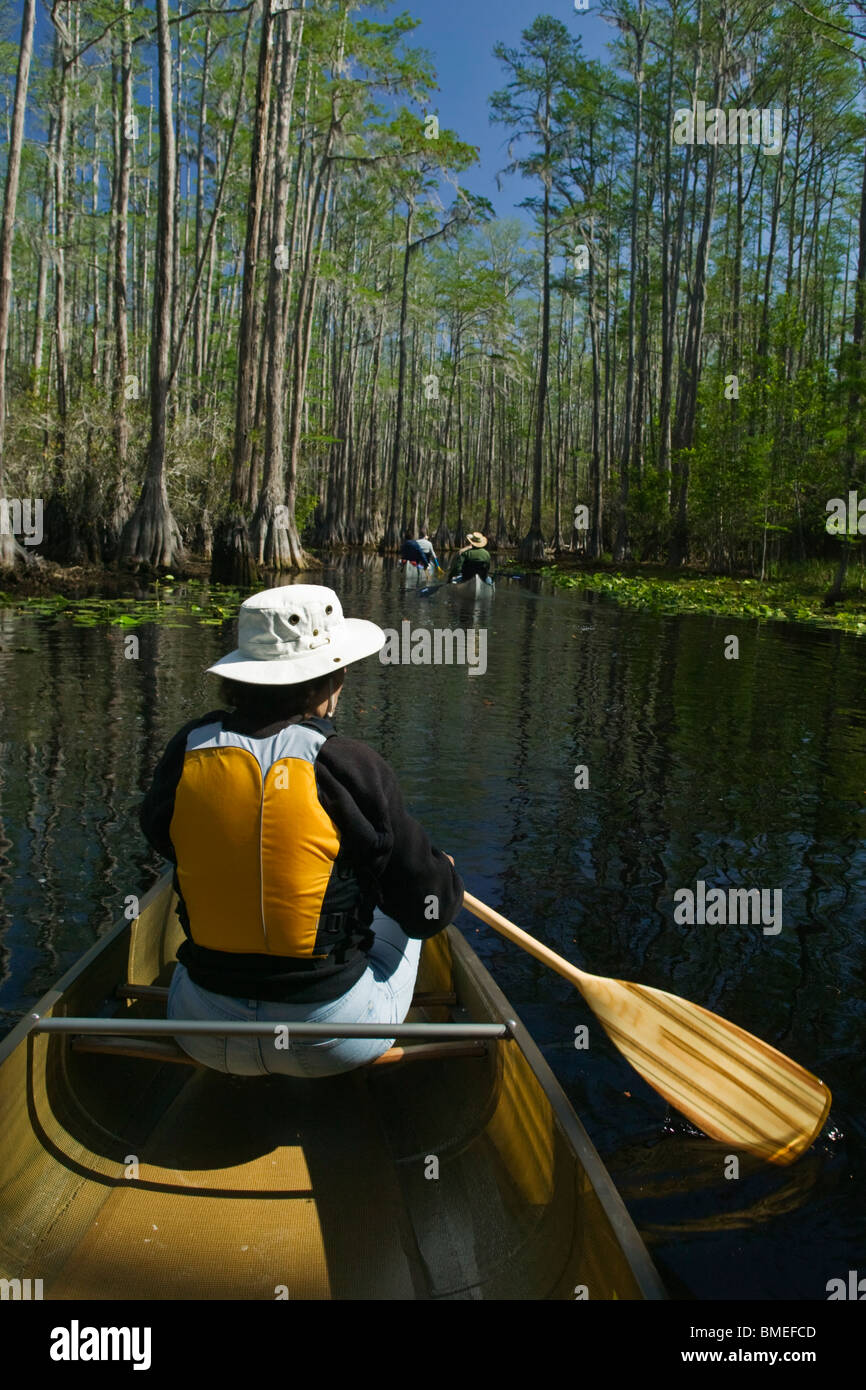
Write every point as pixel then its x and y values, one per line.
pixel 460 34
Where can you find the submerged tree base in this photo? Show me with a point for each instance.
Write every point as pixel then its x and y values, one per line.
pixel 232 559
pixel 73 536
pixel 275 541
pixel 12 554
pixel 151 536
pixel 532 548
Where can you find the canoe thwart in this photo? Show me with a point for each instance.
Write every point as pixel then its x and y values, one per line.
pixel 172 1027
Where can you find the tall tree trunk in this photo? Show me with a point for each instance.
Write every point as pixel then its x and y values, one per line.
pixel 303 338
pixel 198 321
pixel 178 108
pixel 855 394
pixel 595 545
pixel 668 283
pixel 532 545
pixel 687 395
pixel 368 533
pixel 10 550
pixel 764 332
pixel 42 276
pixel 392 532
pixel 443 536
pixel 120 502
pixel 672 249
pixel 97 307
pixel 246 376
pixel 487 524
pixel 151 536
pixel 58 540
pixel 274 536
pixel 621 538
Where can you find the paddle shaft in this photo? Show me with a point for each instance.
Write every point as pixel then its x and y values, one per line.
pixel 733 1086
pixel 521 938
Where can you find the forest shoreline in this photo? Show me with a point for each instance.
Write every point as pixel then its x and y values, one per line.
pixel 797 594
pixel 240 297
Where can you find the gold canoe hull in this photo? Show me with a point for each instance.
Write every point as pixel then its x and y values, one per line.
pixel 458 1178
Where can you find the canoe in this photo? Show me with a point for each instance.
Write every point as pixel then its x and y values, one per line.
pixel 127 1172
pixel 473 588
pixel 415 576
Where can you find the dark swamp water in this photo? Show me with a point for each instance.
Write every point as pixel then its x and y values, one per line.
pixel 744 773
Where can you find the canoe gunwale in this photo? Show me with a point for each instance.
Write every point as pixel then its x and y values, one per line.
pixel 473 588
pixel 643 1268
pixel 47 1002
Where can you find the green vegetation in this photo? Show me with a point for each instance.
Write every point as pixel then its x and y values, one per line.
pixel 208 605
pixel 797 598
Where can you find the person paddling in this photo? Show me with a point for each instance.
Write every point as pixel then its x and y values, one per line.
pixel 426 545
pixel 305 889
pixel 473 559
pixel 412 553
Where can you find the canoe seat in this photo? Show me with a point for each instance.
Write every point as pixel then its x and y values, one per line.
pixel 421 1000
pixel 167 1050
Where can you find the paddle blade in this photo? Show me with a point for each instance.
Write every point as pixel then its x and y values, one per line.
pixel 734 1087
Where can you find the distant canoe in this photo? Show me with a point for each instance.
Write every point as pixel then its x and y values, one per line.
pixel 474 588
pixel 415 576
pixel 129 1172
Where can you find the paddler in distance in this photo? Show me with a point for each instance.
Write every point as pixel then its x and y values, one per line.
pixel 411 552
pixel 424 542
pixel 473 559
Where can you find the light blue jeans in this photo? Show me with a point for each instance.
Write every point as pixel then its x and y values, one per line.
pixel 383 994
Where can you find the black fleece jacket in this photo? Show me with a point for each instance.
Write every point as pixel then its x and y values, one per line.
pixel 388 851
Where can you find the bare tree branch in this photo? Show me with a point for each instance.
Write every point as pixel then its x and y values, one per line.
pixel 206 9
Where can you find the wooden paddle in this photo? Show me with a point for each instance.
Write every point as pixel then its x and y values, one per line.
pixel 734 1087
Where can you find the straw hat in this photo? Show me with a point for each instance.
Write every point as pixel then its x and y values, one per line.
pixel 296 633
pixel 475 538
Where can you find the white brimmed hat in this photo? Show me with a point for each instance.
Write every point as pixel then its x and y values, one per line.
pixel 296 633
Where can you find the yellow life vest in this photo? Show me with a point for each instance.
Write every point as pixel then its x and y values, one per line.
pixel 255 848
